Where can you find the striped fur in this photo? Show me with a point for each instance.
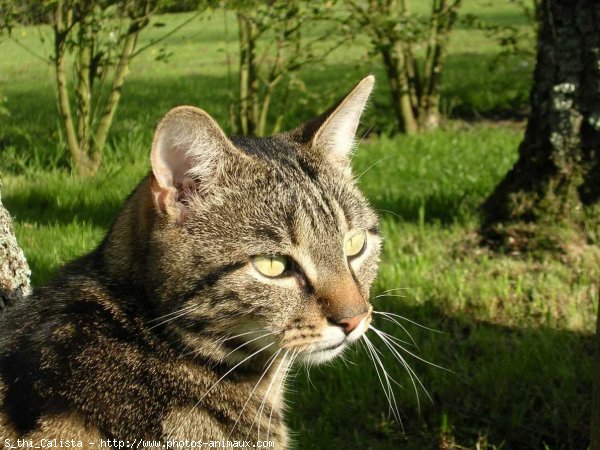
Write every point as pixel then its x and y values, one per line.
pixel 140 339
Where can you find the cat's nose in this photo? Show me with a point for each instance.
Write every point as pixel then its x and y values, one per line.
pixel 350 323
pixel 342 303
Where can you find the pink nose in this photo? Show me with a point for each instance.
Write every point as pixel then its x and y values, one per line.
pixel 350 323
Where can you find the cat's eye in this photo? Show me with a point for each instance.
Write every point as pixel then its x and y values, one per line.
pixel 271 266
pixel 356 244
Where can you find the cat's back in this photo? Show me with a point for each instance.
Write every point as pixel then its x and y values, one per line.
pixel 72 346
pixel 68 303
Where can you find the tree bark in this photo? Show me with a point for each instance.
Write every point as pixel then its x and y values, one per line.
pixel 443 17
pixel 61 27
pixel 595 422
pixel 558 169
pixel 83 88
pixel 14 271
pixel 121 72
pixel 400 91
pixel 248 81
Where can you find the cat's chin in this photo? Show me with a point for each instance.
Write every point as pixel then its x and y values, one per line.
pixel 321 356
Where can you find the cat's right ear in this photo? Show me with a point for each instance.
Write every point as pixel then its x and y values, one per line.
pixel 187 154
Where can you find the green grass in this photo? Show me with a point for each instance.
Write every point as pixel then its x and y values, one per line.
pixel 515 331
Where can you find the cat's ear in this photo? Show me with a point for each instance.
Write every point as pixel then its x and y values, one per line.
pixel 187 153
pixel 334 132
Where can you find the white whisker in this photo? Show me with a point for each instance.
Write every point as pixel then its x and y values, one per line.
pixel 408 320
pixel 310 383
pixel 391 319
pixel 373 165
pixel 172 313
pixel 197 351
pixel 392 338
pixel 231 370
pixel 270 362
pixel 380 354
pixel 363 137
pixel 280 387
pixel 264 400
pixel 225 339
pixel 246 343
pixel 172 318
pixel 389 392
pixel 398 340
pixel 396 289
pixel 389 295
pixel 413 376
pixel 369 353
pixel 391 212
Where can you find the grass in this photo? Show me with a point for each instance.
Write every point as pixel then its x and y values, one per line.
pixel 515 332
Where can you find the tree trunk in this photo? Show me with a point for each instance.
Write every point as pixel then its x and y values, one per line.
pixel 595 423
pixel 77 30
pixel 121 72
pixel 14 271
pixel 60 26
pixel 83 88
pixel 400 91
pixel 443 17
pixel 558 169
pixel 248 81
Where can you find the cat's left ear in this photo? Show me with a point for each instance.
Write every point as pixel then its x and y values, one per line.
pixel 333 134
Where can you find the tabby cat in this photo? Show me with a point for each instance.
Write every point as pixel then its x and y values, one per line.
pixel 233 258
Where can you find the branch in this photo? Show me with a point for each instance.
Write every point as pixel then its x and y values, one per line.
pixel 166 35
pixel 83 84
pixel 61 83
pixel 31 52
pixel 230 104
pixel 111 103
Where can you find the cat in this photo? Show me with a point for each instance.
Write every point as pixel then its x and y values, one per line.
pixel 234 258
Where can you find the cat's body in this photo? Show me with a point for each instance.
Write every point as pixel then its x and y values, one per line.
pixel 87 361
pixel 232 259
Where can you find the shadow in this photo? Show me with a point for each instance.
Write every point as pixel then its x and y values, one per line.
pixel 507 18
pixel 433 208
pixel 515 388
pixel 39 206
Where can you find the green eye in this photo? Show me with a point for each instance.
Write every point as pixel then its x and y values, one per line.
pixel 355 244
pixel 271 266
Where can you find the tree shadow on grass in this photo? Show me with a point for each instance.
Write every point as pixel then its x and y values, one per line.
pixel 40 207
pixel 432 208
pixel 521 388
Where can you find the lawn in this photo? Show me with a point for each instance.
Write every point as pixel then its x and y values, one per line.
pixel 513 332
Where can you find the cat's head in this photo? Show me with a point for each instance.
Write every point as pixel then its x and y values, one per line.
pixel 262 243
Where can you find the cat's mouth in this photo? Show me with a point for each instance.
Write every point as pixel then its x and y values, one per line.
pixel 323 354
pixel 329 350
